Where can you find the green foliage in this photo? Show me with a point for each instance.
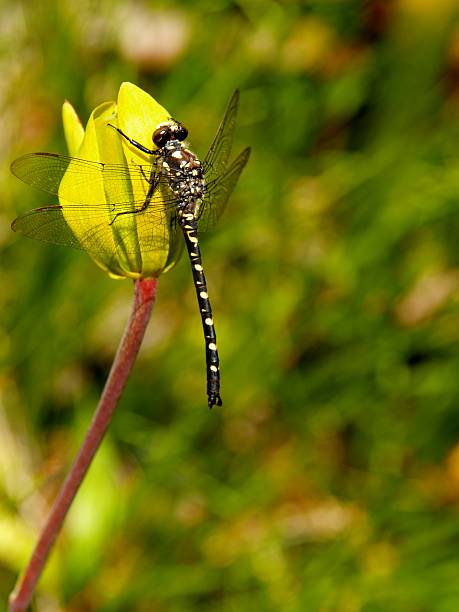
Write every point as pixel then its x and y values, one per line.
pixel 329 480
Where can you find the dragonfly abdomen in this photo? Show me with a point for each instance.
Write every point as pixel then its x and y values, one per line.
pixel 189 226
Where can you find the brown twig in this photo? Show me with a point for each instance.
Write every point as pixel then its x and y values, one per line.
pixel 145 293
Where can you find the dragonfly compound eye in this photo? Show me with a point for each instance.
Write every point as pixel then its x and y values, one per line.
pixel 181 132
pixel 162 136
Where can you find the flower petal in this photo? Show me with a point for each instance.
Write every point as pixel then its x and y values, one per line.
pixel 73 130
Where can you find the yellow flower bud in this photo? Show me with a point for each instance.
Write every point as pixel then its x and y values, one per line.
pixel 134 245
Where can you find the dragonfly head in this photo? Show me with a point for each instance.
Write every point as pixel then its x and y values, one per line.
pixel 170 130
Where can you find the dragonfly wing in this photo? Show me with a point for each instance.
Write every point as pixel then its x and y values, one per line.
pixel 45 171
pixel 82 228
pixel 218 155
pixel 48 225
pixel 218 192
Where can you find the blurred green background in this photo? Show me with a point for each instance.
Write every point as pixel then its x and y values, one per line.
pixel 329 480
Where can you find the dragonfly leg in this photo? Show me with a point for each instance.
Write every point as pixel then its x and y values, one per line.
pixel 142 171
pixel 134 143
pixel 153 184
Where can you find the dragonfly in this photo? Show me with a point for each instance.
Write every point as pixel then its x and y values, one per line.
pixel 181 194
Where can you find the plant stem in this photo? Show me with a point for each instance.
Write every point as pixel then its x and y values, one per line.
pixel 145 293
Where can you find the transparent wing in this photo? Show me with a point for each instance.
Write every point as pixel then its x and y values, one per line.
pixel 216 160
pixel 111 244
pixel 45 171
pixel 218 193
pixel 48 225
pixel 107 234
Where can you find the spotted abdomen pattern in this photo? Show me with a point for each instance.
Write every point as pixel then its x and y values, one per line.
pixel 189 227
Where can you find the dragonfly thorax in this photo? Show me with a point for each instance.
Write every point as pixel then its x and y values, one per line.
pixel 184 173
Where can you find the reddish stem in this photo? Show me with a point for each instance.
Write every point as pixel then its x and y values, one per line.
pixel 145 293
